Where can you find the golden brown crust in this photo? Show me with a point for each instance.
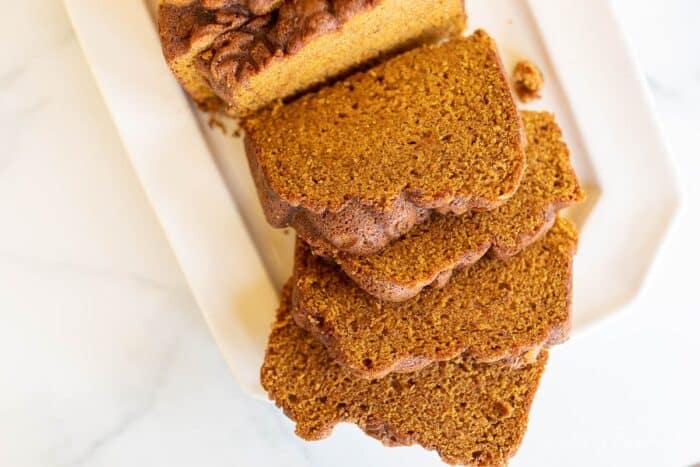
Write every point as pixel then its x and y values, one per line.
pixel 363 160
pixel 496 310
pixel 470 413
pixel 431 251
pixel 218 47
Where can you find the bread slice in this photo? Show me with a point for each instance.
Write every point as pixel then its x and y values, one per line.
pixel 470 413
pixel 357 164
pixel 496 310
pixel 249 53
pixel 431 251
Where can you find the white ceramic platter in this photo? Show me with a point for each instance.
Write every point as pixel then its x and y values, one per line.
pixel 198 182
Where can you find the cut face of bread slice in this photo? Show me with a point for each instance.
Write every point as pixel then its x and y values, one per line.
pixel 496 310
pixel 431 251
pixel 470 413
pixel 250 53
pixel 357 164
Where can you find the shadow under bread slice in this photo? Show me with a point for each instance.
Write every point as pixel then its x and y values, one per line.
pixel 431 251
pixel 470 413
pixel 359 163
pixel 496 310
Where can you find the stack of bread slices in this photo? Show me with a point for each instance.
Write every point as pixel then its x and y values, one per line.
pixel 432 270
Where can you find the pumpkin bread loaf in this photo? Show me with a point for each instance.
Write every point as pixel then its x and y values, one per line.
pixel 470 413
pixel 248 53
pixel 496 310
pixel 431 251
pixel 357 164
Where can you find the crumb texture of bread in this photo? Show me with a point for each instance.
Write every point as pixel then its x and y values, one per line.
pixel 357 164
pixel 496 310
pixel 431 251
pixel 527 80
pixel 249 53
pixel 470 413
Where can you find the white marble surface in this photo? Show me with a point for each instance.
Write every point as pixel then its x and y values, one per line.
pixel 105 361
